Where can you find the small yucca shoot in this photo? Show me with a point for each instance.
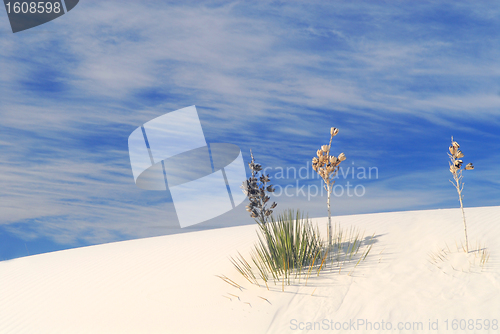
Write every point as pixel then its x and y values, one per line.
pixel 456 169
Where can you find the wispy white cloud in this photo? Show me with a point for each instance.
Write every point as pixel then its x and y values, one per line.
pixel 272 77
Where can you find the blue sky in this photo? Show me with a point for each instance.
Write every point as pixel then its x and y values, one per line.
pixel 397 78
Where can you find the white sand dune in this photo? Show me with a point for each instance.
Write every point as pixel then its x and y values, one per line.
pixel 168 284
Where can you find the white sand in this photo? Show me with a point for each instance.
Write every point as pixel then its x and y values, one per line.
pixel 168 284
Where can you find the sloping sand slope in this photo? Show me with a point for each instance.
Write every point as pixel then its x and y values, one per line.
pixel 168 284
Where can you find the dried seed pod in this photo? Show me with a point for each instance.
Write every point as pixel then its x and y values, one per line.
pixel 453 150
pixel 333 159
pixel 334 131
pixel 325 148
pixel 455 144
pixel 255 167
pixel 458 155
pixel 469 166
pixel 458 163
pixel 315 160
pixel 319 153
pixel 273 205
pixel 341 157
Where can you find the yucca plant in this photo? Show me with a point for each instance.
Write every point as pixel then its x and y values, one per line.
pixel 455 156
pixel 287 246
pixel 327 166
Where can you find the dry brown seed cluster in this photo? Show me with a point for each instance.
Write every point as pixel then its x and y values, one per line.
pixel 455 157
pixel 327 165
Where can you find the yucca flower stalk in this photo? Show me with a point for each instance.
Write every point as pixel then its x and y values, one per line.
pixel 456 170
pixel 327 166
pixel 257 188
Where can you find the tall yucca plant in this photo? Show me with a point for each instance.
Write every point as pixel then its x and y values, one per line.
pixel 286 244
pixel 327 166
pixel 455 156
